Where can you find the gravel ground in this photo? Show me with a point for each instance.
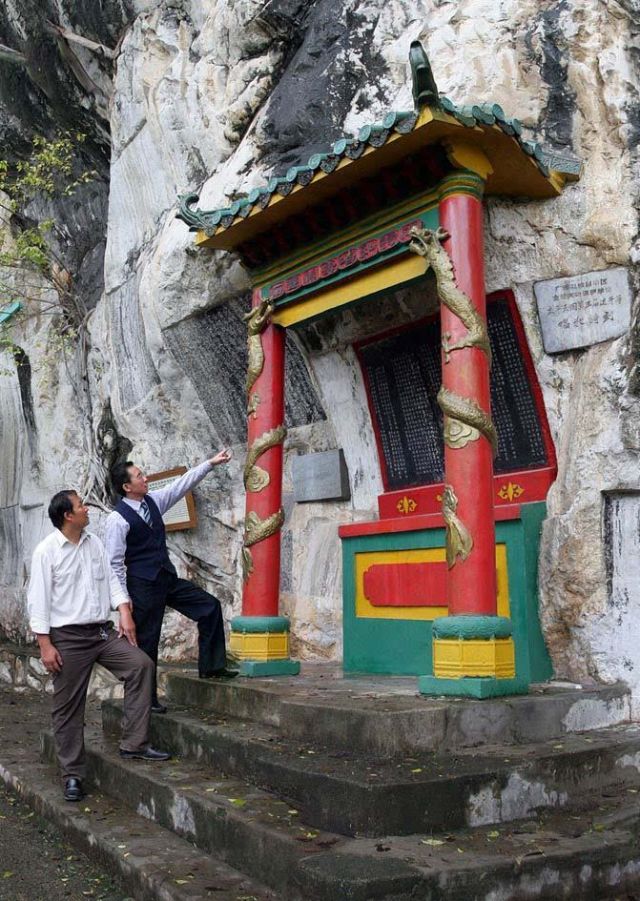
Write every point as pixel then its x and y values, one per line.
pixel 37 864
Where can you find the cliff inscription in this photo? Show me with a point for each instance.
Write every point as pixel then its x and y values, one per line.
pixel 583 309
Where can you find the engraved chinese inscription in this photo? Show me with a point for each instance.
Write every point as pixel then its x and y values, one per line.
pixel 403 373
pixel 584 309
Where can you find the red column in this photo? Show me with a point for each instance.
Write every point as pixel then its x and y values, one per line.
pixel 471 584
pixel 262 588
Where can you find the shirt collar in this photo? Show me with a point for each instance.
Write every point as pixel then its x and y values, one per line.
pixel 61 538
pixel 135 505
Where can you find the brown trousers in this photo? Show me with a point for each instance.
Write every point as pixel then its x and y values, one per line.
pixel 80 647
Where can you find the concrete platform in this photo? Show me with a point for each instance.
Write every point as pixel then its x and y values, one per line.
pixel 386 716
pixel 273 801
pixel 590 854
pixel 352 793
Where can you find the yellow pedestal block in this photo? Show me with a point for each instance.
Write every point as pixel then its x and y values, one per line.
pixel 455 658
pixel 259 645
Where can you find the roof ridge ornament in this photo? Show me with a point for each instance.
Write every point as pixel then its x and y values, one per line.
pixel 425 89
pixel 193 218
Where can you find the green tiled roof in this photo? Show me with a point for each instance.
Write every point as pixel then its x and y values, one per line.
pixel 375 135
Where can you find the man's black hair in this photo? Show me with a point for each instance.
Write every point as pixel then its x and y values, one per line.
pixel 61 503
pixel 120 475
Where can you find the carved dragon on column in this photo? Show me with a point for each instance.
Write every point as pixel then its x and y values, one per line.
pixel 459 540
pixel 256 478
pixel 464 420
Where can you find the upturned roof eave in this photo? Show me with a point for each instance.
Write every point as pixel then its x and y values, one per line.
pixel 516 173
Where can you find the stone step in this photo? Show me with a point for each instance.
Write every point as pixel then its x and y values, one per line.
pixel 248 828
pixel 576 858
pixel 388 718
pixel 346 793
pixel 582 856
pixel 148 862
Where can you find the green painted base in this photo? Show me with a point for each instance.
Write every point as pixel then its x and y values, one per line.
pixel 472 627
pixel 470 687
pixel 260 624
pixel 254 669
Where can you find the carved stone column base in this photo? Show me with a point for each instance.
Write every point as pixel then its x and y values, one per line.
pixel 261 644
pixel 458 658
pixel 473 656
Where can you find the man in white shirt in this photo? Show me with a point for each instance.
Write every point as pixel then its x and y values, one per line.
pixel 72 592
pixel 137 549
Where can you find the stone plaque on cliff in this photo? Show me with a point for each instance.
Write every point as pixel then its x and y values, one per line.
pixel 321 477
pixel 583 309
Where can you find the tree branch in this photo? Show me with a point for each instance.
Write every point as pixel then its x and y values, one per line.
pixel 71 36
pixel 12 56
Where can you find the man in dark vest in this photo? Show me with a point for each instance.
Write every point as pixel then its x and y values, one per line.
pixel 137 549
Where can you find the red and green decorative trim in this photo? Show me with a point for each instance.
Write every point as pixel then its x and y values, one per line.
pixel 462 182
pixel 405 646
pixel 379 249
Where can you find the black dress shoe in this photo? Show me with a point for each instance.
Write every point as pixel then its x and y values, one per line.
pixel 158 708
pixel 223 673
pixel 145 754
pixel 73 790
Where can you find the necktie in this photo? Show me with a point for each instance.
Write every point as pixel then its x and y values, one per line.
pixel 146 513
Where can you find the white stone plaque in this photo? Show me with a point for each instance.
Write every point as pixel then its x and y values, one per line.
pixel 583 309
pixel 320 477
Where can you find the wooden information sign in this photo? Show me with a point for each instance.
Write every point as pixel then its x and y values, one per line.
pixel 183 514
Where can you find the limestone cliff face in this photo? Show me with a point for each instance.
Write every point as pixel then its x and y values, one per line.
pixel 216 96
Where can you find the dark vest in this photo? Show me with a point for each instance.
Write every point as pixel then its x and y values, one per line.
pixel 146 552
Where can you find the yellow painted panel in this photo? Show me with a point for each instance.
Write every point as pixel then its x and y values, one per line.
pixel 356 288
pixel 363 561
pixel 457 658
pixel 259 645
pixel 502 574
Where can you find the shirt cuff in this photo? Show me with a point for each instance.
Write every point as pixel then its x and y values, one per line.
pixel 39 626
pixel 117 602
pixel 119 597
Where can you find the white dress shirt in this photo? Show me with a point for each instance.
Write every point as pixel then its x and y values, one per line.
pixel 117 527
pixel 71 584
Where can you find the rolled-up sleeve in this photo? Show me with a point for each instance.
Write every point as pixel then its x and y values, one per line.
pixel 39 593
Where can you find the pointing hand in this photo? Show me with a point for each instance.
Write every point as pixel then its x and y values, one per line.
pixel 222 456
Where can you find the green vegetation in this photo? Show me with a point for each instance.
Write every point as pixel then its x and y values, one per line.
pixel 38 296
pixel 30 270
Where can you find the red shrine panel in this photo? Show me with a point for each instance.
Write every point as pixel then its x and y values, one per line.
pixel 402 375
pixel 405 584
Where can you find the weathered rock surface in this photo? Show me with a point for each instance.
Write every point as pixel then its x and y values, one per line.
pixel 215 97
